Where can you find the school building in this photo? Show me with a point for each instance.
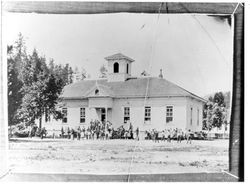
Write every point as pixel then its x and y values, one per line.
pixel 146 102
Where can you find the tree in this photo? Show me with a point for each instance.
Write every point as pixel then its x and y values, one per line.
pixel 33 86
pixel 214 113
pixel 42 90
pixel 79 75
pixel 103 72
pixel 20 55
pixel 14 88
pixel 219 99
pixel 70 78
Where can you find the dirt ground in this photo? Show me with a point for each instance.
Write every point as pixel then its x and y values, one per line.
pixel 116 156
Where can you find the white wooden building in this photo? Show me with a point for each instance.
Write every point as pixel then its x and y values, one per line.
pixel 146 102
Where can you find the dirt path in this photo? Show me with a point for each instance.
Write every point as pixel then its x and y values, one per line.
pixel 115 156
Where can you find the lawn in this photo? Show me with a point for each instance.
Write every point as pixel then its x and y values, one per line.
pixel 116 156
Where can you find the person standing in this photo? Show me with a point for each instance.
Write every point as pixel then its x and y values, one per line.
pixel 137 131
pixel 68 133
pixel 188 136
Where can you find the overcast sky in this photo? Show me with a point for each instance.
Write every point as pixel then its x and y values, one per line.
pixel 195 52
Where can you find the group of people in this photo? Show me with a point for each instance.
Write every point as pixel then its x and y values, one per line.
pixel 36 131
pixel 96 130
pixel 100 130
pixel 122 133
pixel 169 134
pixel 104 131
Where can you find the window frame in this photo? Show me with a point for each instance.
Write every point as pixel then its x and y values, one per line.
pixel 169 114
pixel 65 115
pixel 126 116
pixel 147 114
pixel 82 115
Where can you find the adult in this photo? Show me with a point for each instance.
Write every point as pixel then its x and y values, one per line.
pixel 137 133
pixel 78 133
pixel 179 135
pixel 69 132
pixel 62 132
pixel 189 136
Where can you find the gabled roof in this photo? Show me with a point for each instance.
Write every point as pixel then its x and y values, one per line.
pixel 118 56
pixel 157 87
pixel 103 91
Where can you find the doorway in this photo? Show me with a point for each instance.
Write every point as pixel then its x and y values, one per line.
pixel 103 115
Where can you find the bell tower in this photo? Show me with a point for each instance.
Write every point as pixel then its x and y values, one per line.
pixel 119 67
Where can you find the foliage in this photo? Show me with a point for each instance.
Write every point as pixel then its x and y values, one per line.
pixel 103 72
pixel 214 113
pixel 79 75
pixel 14 87
pixel 34 86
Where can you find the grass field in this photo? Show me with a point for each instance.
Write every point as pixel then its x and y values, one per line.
pixel 116 156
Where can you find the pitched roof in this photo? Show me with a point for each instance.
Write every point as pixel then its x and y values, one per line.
pixel 119 56
pixel 157 87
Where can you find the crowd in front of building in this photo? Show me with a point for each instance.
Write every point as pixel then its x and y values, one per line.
pixel 101 130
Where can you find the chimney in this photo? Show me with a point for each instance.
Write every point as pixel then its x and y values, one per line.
pixel 160 76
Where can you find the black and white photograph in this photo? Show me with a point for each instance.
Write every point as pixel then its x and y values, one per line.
pixel 122 91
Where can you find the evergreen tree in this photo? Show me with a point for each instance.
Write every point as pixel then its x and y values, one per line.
pixel 14 88
pixel 33 86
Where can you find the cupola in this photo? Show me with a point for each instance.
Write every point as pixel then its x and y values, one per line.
pixel 119 67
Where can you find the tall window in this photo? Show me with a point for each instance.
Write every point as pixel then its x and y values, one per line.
pixel 147 117
pixel 126 114
pixel 116 67
pixel 169 113
pixel 82 115
pixel 127 68
pixel 65 114
pixel 191 116
pixel 198 117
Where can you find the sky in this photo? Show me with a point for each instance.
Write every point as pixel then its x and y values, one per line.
pixel 194 51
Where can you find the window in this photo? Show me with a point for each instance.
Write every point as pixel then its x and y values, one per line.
pixel 126 114
pixel 147 117
pixel 82 115
pixel 191 116
pixel 97 92
pixel 64 113
pixel 116 67
pixel 169 113
pixel 198 117
pixel 103 114
pixel 127 68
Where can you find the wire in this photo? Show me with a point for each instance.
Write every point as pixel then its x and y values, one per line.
pixel 211 38
pixel 146 92
pixel 152 52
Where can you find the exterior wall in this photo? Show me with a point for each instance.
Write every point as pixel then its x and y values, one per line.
pixel 158 112
pixel 196 122
pixel 117 77
pixel 73 116
pixel 100 102
pixel 181 113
